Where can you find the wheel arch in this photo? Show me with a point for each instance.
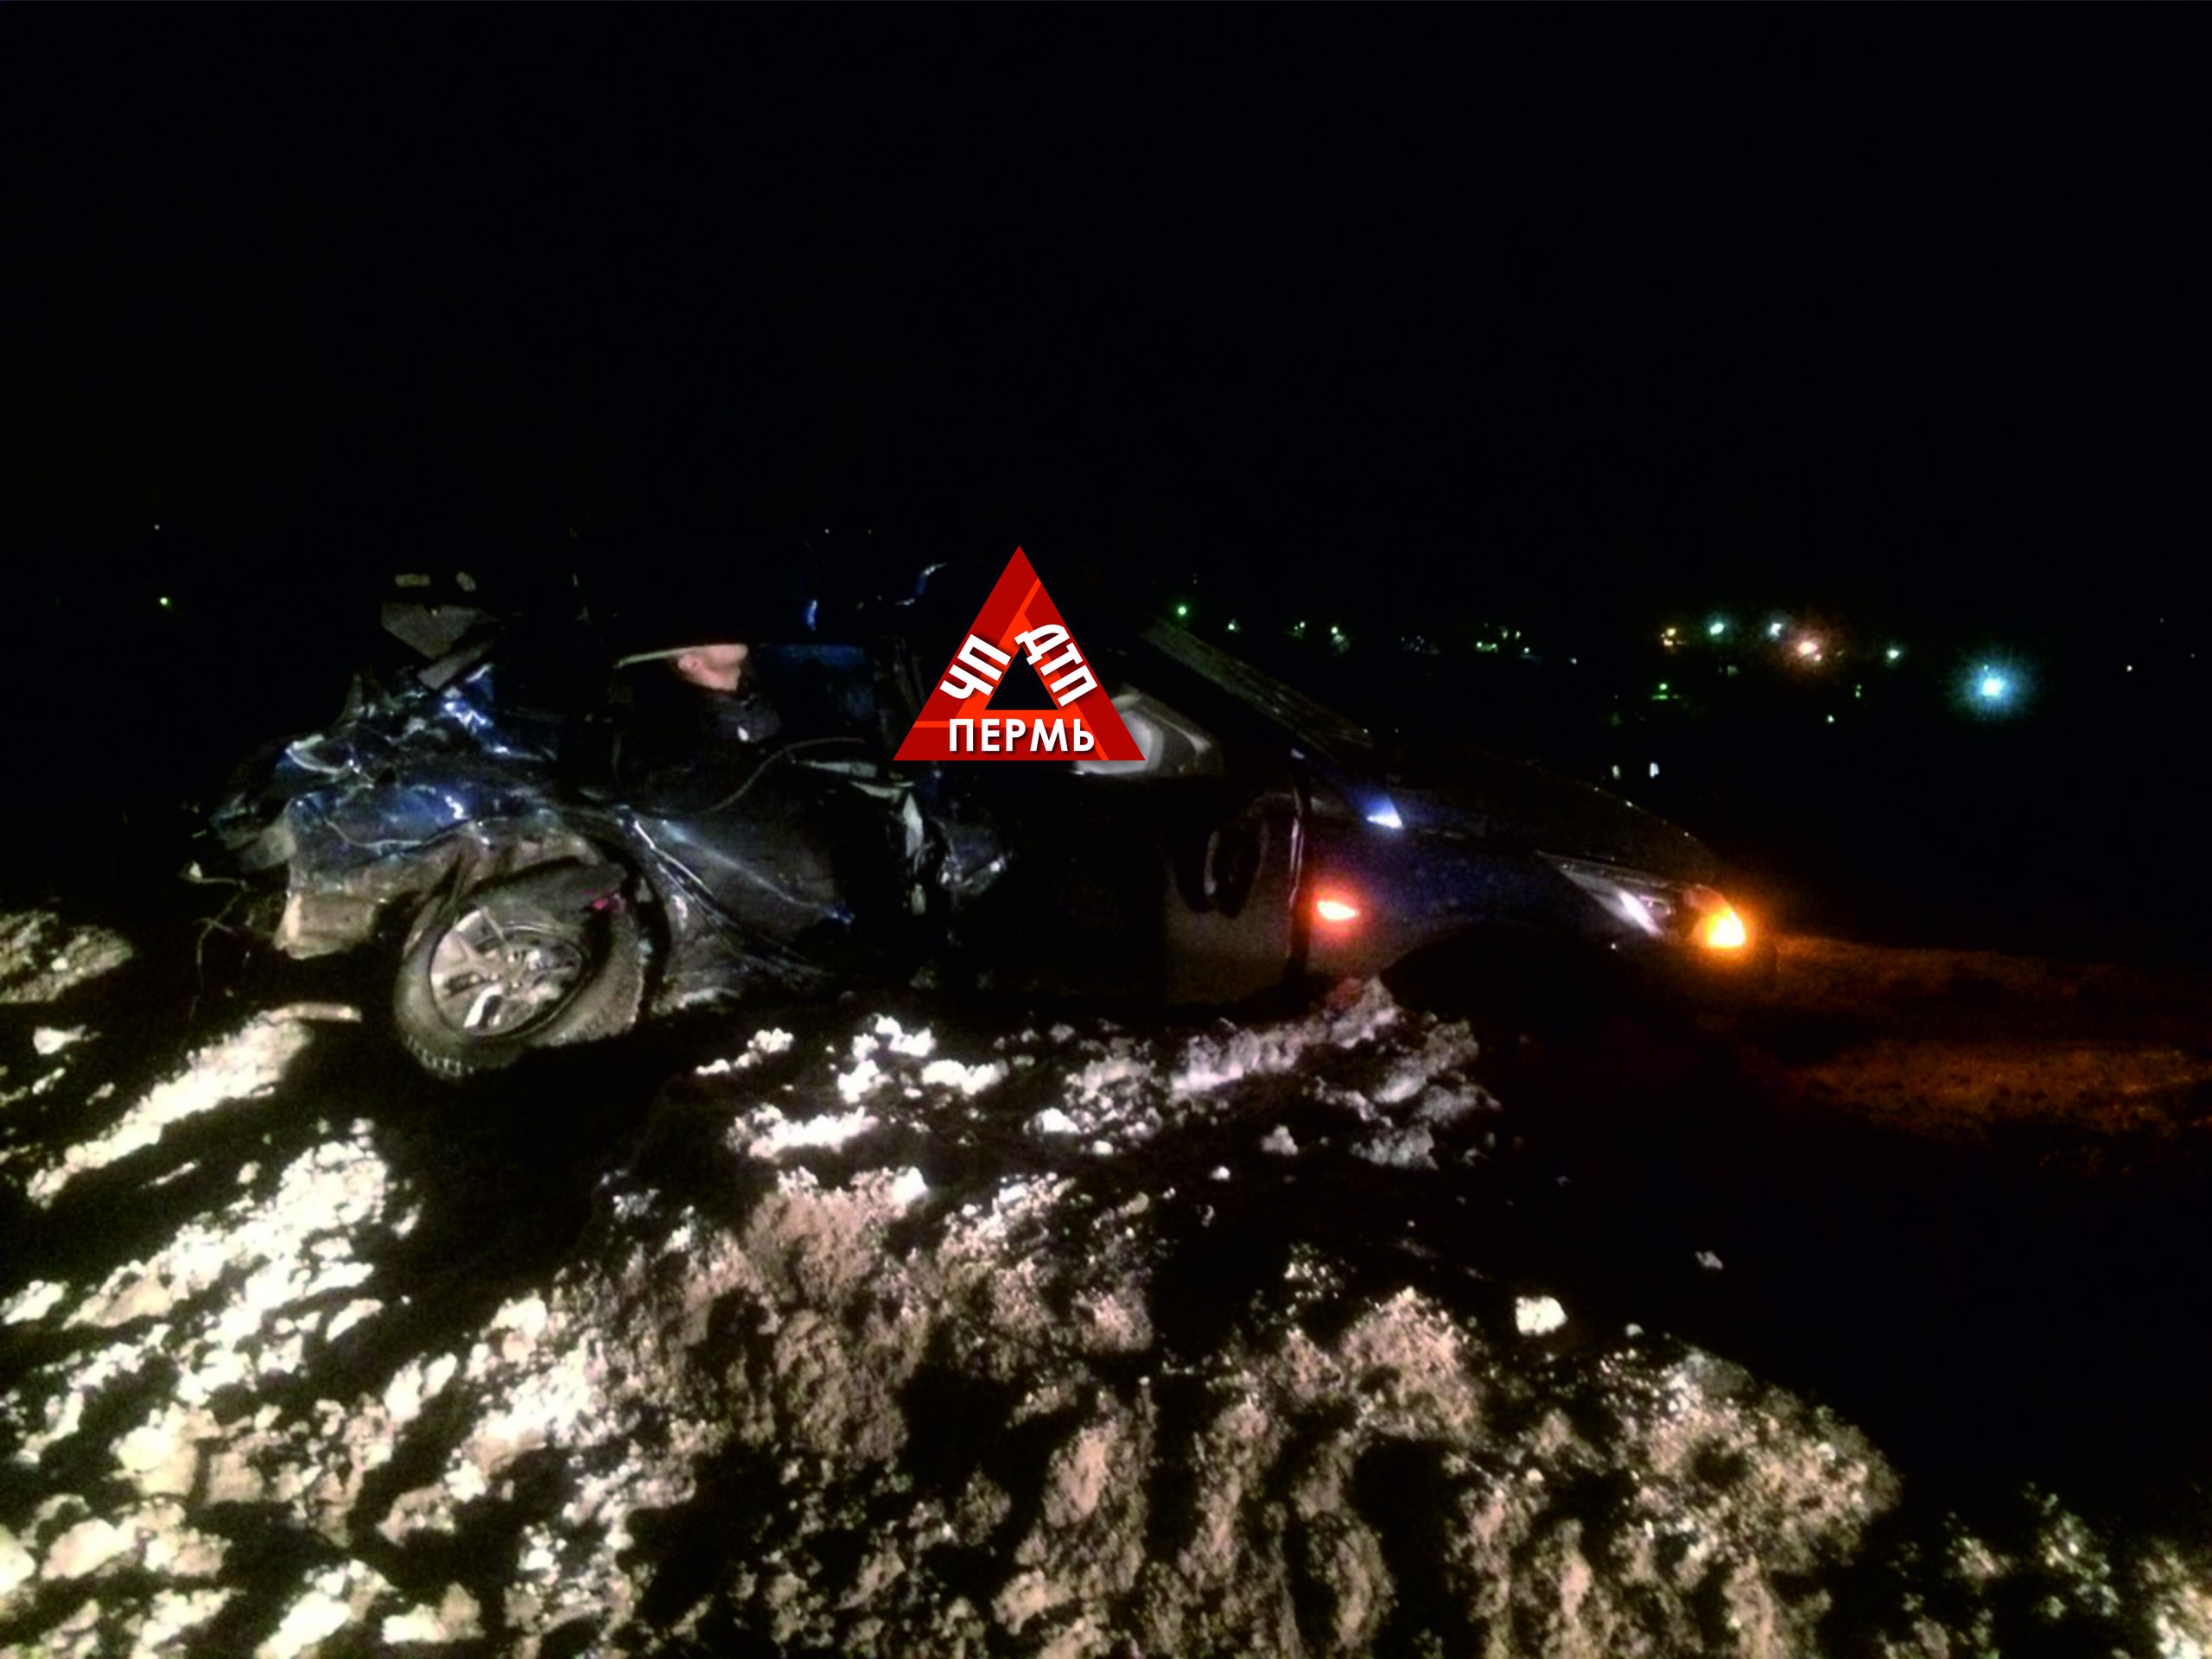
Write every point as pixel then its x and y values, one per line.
pixel 483 861
pixel 609 1000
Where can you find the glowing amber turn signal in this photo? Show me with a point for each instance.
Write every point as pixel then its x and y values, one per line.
pixel 1724 931
pixel 1336 910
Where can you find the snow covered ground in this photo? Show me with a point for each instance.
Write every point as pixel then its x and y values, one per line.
pixel 880 1331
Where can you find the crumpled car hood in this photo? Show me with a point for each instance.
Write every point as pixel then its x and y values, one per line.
pixel 389 778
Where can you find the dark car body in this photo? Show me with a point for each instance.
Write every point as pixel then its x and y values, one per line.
pixel 1263 840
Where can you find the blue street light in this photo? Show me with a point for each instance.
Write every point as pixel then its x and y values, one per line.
pixel 1996 687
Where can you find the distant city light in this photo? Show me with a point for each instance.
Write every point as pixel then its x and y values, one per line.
pixel 1774 630
pixel 1809 649
pixel 1182 610
pixel 165 598
pixel 1997 686
pixel 1894 653
pixel 1717 626
pixel 1232 624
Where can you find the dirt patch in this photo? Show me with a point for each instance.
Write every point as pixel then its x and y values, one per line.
pixel 887 1335
pixel 2083 1060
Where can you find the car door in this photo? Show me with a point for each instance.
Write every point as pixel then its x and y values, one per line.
pixel 1167 880
pixel 795 838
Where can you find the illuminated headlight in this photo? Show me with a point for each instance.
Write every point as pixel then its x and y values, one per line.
pixel 1664 910
pixel 1714 922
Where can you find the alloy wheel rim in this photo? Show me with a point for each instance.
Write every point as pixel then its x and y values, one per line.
pixel 494 979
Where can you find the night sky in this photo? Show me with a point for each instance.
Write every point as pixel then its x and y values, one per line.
pixel 1547 314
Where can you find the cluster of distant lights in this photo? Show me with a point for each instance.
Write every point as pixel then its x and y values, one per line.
pixel 1805 647
pixel 1990 687
pixel 1341 640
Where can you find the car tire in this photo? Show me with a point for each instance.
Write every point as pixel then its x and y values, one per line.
pixel 503 969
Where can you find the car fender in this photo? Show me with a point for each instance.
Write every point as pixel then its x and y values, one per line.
pixel 327 912
pixel 563 870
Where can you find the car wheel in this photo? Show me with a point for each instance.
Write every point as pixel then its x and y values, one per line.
pixel 505 969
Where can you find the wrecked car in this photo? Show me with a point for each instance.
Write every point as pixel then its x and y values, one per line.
pixel 544 856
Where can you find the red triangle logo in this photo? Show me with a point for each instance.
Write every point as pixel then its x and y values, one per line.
pixel 957 722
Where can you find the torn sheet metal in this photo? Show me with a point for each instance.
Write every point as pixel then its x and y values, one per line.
pixel 783 866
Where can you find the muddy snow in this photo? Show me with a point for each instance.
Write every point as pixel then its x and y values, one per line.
pixel 883 1333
